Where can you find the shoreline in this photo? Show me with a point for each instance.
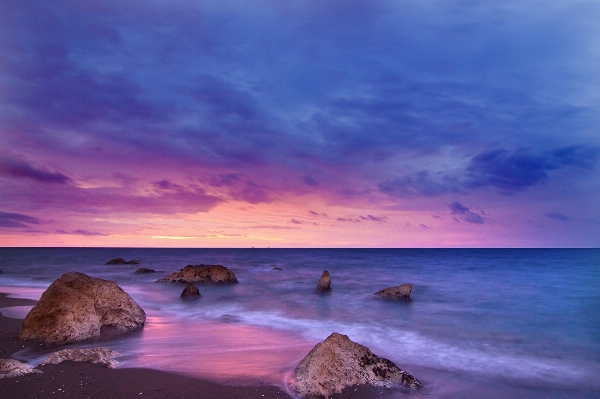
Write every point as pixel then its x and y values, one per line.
pixel 92 380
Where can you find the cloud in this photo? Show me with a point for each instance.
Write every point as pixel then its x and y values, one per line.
pixel 8 219
pixel 22 170
pixel 424 226
pixel 557 216
pixel 294 221
pixel 456 208
pixel 380 219
pixel 310 181
pixel 80 232
pixel 348 219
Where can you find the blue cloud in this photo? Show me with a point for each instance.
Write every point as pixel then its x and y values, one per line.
pixel 557 216
pixel 8 219
pixel 456 208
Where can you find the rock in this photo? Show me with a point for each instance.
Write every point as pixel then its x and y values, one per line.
pixel 201 273
pixel 338 363
pixel 277 268
pixel 94 355
pixel 397 292
pixel 324 283
pixel 121 261
pixel 190 292
pixel 145 270
pixel 76 307
pixel 116 261
pixel 14 368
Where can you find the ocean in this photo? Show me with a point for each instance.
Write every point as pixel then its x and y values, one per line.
pixel 481 323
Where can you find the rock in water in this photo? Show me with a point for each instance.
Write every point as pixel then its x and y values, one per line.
pixel 190 292
pixel 14 368
pixel 94 355
pixel 338 363
pixel 201 273
pixel 116 261
pixel 145 270
pixel 397 292
pixel 76 307
pixel 324 283
pixel 132 262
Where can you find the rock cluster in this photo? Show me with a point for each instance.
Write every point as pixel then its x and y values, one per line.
pixel 94 355
pixel 190 292
pixel 397 292
pixel 201 273
pixel 14 368
pixel 121 261
pixel 324 283
pixel 76 307
pixel 338 363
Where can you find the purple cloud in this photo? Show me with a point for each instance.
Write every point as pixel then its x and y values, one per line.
pixel 456 208
pixel 8 219
pixel 22 170
pixel 557 216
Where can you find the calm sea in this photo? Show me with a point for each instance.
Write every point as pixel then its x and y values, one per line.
pixel 482 323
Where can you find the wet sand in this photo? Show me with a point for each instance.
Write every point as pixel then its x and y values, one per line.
pixel 70 380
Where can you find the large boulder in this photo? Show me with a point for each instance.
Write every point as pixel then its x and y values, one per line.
pixel 397 292
pixel 201 273
pixel 142 270
pixel 324 283
pixel 121 261
pixel 94 355
pixel 14 368
pixel 76 307
pixel 338 363
pixel 190 292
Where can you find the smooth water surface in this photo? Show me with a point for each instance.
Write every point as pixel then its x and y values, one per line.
pixel 481 322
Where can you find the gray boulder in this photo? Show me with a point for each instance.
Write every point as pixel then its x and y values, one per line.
pixel 14 368
pixel 324 283
pixel 398 292
pixel 190 292
pixel 201 273
pixel 76 307
pixel 94 355
pixel 338 363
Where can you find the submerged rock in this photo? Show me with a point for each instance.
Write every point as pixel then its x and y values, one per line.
pixel 201 273
pixel 116 261
pixel 145 270
pixel 121 261
pixel 324 283
pixel 338 363
pixel 191 292
pixel 76 307
pixel 94 355
pixel 277 268
pixel 14 368
pixel 398 292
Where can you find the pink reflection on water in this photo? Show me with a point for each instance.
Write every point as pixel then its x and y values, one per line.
pixel 226 352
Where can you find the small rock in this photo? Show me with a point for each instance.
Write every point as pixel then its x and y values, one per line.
pixel 132 262
pixel 14 368
pixel 145 270
pixel 201 273
pixel 94 355
pixel 116 261
pixel 324 283
pixel 190 292
pixel 397 292
pixel 338 363
pixel 277 268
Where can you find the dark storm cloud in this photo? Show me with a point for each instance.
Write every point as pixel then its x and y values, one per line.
pixel 22 170
pixel 456 208
pixel 8 219
pixel 557 216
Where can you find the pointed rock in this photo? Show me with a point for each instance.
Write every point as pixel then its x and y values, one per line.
pixel 94 355
pixel 191 292
pixel 324 283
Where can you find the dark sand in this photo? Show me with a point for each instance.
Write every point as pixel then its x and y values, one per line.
pixel 87 380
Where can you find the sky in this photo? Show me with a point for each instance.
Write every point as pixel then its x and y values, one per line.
pixel 187 123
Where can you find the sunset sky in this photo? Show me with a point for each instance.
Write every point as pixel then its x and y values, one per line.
pixel 300 123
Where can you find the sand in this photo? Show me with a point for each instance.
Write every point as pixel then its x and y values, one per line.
pixel 69 380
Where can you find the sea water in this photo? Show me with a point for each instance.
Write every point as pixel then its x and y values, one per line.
pixel 481 323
